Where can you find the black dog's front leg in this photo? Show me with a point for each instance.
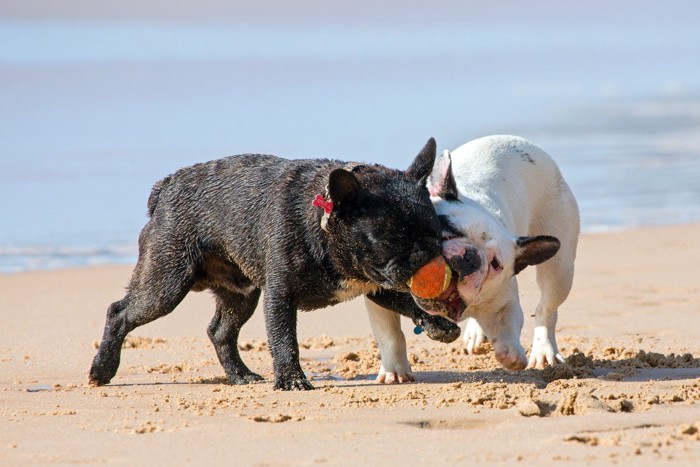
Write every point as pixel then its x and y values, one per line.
pixel 281 325
pixel 436 327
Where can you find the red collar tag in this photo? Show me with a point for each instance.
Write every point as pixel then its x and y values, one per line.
pixel 327 206
pixel 320 201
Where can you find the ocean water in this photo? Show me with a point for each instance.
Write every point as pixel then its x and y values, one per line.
pixel 97 106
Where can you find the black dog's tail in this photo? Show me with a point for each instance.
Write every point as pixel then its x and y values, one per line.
pixel 155 193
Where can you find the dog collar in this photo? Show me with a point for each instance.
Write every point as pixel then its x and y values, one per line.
pixel 326 203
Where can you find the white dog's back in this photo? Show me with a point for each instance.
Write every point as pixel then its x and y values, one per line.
pixel 515 180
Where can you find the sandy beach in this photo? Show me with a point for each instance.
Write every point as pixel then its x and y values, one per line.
pixel 105 98
pixel 628 394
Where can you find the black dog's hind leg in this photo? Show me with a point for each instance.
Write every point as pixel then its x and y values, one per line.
pixel 233 310
pixel 157 286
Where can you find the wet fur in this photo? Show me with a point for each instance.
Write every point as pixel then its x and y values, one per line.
pixel 245 224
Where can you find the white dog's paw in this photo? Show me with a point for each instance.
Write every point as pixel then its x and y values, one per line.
pixel 474 337
pixel 398 374
pixel 543 356
pixel 544 351
pixel 510 354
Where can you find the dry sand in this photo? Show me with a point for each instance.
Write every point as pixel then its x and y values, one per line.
pixel 629 394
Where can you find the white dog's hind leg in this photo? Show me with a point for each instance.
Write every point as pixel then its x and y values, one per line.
pixel 386 326
pixel 545 351
pixel 554 278
pixel 474 336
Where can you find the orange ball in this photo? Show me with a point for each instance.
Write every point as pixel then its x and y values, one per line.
pixel 431 280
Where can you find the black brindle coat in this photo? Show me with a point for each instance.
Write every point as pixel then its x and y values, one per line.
pixel 245 224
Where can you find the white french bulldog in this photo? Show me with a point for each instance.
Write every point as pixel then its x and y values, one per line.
pixel 504 206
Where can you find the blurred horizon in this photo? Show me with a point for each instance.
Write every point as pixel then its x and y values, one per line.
pixel 103 99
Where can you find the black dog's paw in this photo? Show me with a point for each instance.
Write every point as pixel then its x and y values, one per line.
pixel 297 384
pixel 94 381
pixel 245 378
pixel 439 329
pixel 99 375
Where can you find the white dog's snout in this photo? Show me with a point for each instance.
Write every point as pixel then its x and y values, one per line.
pixel 467 263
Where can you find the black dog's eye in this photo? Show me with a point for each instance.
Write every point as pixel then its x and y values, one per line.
pixel 496 265
pixel 396 260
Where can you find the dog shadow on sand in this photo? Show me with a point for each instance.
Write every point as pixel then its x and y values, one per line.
pixel 643 366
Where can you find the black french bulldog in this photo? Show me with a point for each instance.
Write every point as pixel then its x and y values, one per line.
pixel 307 233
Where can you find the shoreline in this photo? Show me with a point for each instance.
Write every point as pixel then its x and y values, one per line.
pixel 84 259
pixel 629 392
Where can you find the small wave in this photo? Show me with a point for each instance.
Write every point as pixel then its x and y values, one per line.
pixel 15 259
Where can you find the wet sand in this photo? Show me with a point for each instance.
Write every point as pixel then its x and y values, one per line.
pixel 628 393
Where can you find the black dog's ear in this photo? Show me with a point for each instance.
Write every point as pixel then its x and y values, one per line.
pixel 441 181
pixel 343 188
pixel 530 251
pixel 423 163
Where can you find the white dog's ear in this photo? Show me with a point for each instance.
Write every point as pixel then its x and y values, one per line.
pixel 530 251
pixel 441 182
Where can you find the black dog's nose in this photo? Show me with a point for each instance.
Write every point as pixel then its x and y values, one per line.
pixel 467 264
